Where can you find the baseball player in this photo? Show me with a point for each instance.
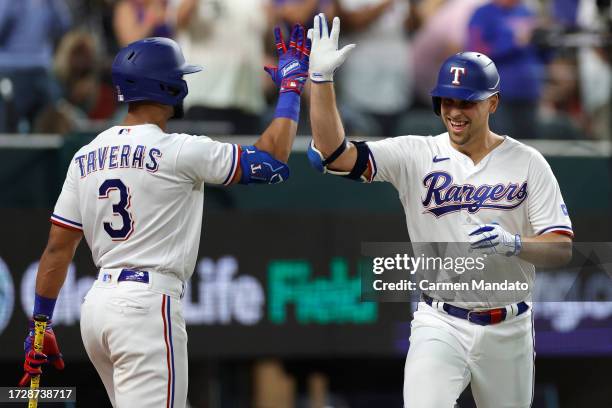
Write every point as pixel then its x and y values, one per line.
pixel 466 185
pixel 136 194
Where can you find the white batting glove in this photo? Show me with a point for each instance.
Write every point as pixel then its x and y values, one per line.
pixel 491 239
pixel 325 58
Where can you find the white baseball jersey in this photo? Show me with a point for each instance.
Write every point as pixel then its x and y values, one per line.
pixel 445 194
pixel 137 195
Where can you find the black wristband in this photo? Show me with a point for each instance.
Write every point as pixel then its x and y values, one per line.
pixel 332 157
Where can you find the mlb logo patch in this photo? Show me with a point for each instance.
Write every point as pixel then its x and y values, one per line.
pixel 124 131
pixel 564 210
pixel 107 277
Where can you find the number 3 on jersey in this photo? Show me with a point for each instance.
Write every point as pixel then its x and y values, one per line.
pixel 120 209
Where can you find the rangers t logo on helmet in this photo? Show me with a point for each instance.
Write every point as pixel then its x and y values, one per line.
pixel 458 71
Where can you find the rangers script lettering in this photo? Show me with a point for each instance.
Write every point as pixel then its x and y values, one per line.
pixel 448 197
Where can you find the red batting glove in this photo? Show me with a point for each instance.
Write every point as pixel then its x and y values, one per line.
pixel 34 361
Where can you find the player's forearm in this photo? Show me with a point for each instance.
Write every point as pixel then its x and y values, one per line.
pixel 289 76
pixel 51 275
pixel 548 250
pixel 55 260
pixel 278 138
pixel 327 129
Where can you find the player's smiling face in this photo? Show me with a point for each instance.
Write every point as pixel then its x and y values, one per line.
pixel 465 120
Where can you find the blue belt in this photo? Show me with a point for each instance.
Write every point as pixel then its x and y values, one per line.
pixel 133 275
pixel 480 317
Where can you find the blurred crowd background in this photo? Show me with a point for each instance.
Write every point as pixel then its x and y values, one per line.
pixel 554 57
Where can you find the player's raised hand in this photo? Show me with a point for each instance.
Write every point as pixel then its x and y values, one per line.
pixel 325 56
pixel 34 361
pixel 491 239
pixel 292 71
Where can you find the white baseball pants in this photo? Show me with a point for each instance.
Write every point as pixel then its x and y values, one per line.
pixel 134 334
pixel 447 353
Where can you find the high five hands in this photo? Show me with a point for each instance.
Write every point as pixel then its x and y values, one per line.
pixel 325 57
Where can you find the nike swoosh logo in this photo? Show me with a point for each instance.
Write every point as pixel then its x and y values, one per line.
pixel 437 159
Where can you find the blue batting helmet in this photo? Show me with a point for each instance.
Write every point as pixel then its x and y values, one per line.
pixel 468 76
pixel 151 69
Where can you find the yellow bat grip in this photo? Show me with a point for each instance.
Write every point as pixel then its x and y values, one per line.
pixel 40 325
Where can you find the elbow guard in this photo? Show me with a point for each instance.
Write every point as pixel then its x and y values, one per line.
pixel 320 163
pixel 260 167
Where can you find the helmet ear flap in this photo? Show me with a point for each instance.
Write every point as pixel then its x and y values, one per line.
pixel 176 90
pixel 437 101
